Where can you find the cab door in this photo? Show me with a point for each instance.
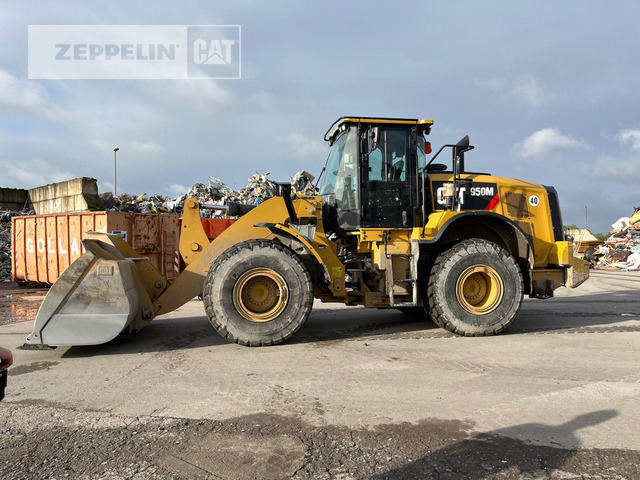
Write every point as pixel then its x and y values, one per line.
pixel 387 177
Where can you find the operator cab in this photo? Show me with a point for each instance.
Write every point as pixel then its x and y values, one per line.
pixel 373 172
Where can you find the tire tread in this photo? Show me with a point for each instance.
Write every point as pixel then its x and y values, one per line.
pixel 454 254
pixel 228 255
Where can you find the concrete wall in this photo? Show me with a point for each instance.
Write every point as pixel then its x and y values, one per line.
pixel 14 199
pixel 77 195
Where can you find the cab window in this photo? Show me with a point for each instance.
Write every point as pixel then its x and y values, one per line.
pixel 422 156
pixel 341 174
pixel 388 161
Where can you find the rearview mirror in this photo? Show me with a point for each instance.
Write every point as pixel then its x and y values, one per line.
pixel 458 153
pixel 462 146
pixel 464 142
pixel 373 138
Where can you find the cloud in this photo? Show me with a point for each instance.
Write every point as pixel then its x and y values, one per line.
pixel 145 148
pixel 199 95
pixel 176 190
pixel 263 100
pixel 496 84
pixel 33 173
pixel 21 93
pixel 527 90
pixel 611 169
pixel 544 142
pixel 105 186
pixel 631 138
pixel 304 147
pixel 121 123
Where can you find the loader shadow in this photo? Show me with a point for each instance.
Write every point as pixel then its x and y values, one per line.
pixel 171 334
pixel 521 451
pixel 161 335
pixel 606 313
pixel 337 324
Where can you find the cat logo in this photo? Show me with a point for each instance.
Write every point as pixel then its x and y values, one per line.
pixel 472 196
pixel 214 52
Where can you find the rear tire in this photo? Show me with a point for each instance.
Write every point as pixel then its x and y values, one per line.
pixel 258 293
pixel 475 289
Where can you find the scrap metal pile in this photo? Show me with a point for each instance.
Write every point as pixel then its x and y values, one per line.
pixel 215 192
pixel 5 241
pixel 621 250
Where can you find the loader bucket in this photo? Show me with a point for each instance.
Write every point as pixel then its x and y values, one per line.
pixel 107 291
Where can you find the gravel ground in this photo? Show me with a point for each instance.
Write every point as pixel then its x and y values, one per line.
pixel 63 443
pixel 356 394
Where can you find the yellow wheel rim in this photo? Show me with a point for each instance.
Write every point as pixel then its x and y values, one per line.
pixel 479 289
pixel 260 294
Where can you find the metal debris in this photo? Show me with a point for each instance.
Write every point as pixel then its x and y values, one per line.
pixel 215 192
pixel 5 241
pixel 621 250
pixel 302 183
pixel 132 203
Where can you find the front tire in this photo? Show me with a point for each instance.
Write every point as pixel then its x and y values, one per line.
pixel 475 289
pixel 258 293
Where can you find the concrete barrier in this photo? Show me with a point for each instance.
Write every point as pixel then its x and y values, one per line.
pixel 77 195
pixel 14 199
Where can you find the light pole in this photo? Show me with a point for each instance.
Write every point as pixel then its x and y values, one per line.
pixel 586 216
pixel 115 155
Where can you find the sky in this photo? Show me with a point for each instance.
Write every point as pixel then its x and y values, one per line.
pixel 546 90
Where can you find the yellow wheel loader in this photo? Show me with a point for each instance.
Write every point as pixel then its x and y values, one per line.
pixel 388 229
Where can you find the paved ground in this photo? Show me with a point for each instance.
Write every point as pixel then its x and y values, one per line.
pixel 356 394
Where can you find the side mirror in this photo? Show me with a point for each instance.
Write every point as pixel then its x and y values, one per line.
pixel 373 138
pixel 463 143
pixel 458 153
